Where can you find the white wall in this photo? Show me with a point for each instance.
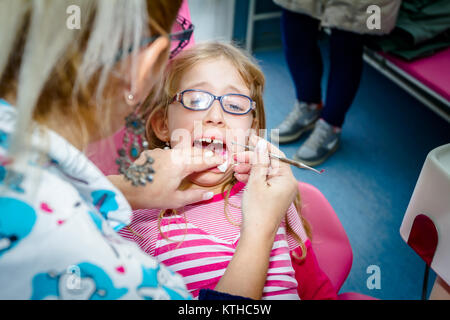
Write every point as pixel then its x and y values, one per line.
pixel 213 19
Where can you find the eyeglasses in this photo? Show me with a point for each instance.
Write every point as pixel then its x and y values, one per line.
pixel 178 39
pixel 183 32
pixel 199 100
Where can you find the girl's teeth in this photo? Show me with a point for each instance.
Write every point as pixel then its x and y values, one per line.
pixel 214 142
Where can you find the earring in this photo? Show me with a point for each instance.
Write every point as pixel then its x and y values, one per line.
pixel 134 133
pixel 129 98
pixel 167 146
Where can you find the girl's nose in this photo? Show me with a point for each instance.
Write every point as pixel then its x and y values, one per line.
pixel 214 114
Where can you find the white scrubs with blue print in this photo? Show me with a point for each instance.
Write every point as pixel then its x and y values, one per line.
pixel 58 214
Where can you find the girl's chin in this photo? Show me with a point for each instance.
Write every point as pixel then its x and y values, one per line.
pixel 210 178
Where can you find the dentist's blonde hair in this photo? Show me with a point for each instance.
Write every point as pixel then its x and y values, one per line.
pixel 56 72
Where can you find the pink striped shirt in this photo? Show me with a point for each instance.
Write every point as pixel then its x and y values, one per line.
pixel 200 241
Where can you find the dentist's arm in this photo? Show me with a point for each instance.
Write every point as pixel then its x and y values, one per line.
pixel 268 195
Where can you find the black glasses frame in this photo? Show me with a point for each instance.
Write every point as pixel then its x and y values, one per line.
pixel 179 98
pixel 182 36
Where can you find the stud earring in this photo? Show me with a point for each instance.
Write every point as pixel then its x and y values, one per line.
pixel 167 146
pixel 130 98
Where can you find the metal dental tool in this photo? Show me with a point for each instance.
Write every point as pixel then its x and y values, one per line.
pixel 287 160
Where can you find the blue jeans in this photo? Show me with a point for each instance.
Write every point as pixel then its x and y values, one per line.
pixel 300 43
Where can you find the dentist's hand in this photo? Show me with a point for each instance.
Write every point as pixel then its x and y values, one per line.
pixel 270 190
pixel 171 167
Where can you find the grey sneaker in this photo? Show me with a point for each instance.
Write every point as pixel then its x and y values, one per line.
pixel 300 119
pixel 322 143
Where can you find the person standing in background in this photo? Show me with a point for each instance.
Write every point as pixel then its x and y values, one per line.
pixel 300 23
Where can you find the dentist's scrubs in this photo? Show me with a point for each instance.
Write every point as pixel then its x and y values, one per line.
pixel 58 216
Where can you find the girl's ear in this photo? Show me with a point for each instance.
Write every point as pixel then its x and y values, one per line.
pixel 157 123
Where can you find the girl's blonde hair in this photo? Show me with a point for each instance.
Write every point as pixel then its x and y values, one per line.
pixel 254 79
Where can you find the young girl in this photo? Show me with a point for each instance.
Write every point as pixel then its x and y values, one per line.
pixel 198 240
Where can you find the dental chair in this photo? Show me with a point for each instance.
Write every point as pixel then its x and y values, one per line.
pixel 329 241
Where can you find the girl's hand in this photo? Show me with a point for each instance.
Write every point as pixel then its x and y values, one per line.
pixel 171 167
pixel 270 190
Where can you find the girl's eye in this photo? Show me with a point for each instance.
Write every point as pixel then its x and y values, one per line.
pixel 236 103
pixel 196 102
pixel 235 107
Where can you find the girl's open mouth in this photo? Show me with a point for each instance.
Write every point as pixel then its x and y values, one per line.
pixel 213 144
pixel 216 145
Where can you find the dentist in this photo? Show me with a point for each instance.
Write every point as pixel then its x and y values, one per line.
pixel 61 89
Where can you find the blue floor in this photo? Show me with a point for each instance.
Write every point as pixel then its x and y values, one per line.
pixel 369 180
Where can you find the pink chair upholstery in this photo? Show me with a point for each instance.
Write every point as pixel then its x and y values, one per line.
pixel 329 240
